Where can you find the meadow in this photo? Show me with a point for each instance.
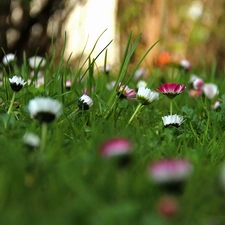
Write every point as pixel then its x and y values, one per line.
pixel 88 160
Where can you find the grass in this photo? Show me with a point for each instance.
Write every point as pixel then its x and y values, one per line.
pixel 70 183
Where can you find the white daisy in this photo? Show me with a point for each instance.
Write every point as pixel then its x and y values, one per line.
pixel 36 61
pixel 16 83
pixel 142 83
pixel 146 96
pixel 174 120
pixel 32 140
pixel 193 77
pixel 106 69
pixel 139 73
pixel 7 59
pixel 85 102
pixel 44 109
pixel 184 63
pixel 210 90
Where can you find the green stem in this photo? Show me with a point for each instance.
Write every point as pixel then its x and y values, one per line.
pixel 43 136
pixel 135 113
pixel 68 117
pixel 171 106
pixel 111 109
pixel 11 104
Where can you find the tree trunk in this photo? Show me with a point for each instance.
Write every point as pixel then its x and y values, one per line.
pixel 153 29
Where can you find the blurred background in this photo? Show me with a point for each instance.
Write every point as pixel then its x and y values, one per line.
pixel 193 30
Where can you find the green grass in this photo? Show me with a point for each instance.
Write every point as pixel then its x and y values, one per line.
pixel 69 183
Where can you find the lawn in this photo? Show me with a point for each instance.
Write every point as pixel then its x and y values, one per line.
pixel 90 146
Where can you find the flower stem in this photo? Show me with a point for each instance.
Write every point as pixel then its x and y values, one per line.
pixel 43 136
pixel 11 104
pixel 135 113
pixel 171 106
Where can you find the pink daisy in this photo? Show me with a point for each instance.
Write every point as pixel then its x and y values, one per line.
pixel 171 90
pixel 115 147
pixel 170 170
pixel 126 92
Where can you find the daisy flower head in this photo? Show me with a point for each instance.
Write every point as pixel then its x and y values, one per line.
pixel 118 149
pixel 215 105
pixel 106 69
pixel 141 83
pixel 170 173
pixel 140 73
pixel 198 84
pixel 185 64
pixel 210 90
pixel 172 120
pixel 8 59
pixel 171 90
pixel 115 147
pixel 85 102
pixel 145 96
pixel 16 83
pixel 193 77
pixel 68 84
pixel 44 109
pixel 32 140
pixel 36 61
pixel 126 92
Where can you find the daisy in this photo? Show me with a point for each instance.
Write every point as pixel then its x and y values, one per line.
pixel 16 84
pixel 115 147
pixel 106 69
pixel 171 90
pixel 185 64
pixel 145 96
pixel 119 149
pixel 142 83
pixel 85 102
pixel 173 120
pixel 31 140
pixel 193 77
pixel 8 59
pixel 169 170
pixel 68 84
pixel 139 73
pixel 215 105
pixel 44 109
pixel 36 61
pixel 126 92
pixel 170 173
pixel 198 84
pixel 210 90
